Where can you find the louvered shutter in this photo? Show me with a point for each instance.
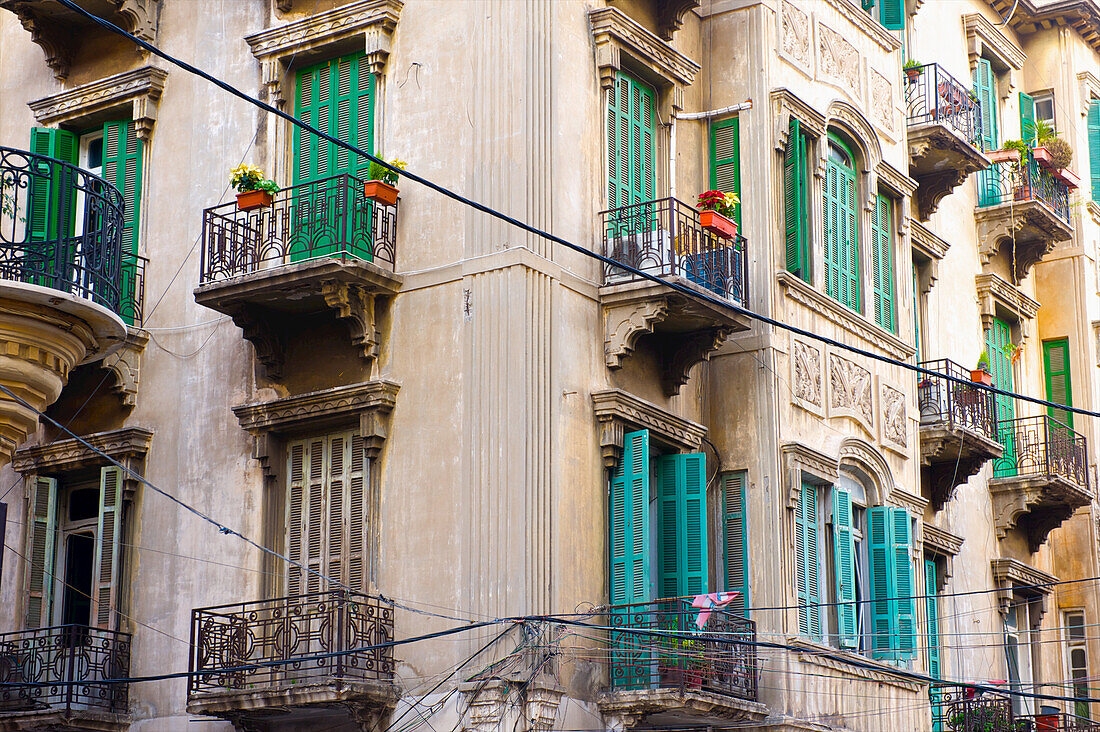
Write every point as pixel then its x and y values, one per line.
pixel 629 530
pixel 882 264
pixel 844 568
pixel 296 497
pixel 51 208
pixel 841 237
pixel 725 159
pixel 997 337
pixel 122 168
pixel 932 613
pixel 668 527
pixel 735 534
pixel 339 450
pixel 1027 119
pixel 893 623
pixel 1056 370
pixel 313 101
pixel 794 202
pixel 314 515
pixel 904 583
pixel 108 549
pixel 692 488
pixel 809 610
pixel 40 548
pixel 1094 147
pixel 985 89
pixel 358 537
pixel 892 14
pixel 631 139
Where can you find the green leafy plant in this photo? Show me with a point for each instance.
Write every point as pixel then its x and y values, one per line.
pixel 8 205
pixel 247 178
pixel 912 64
pixel 1061 154
pixel 377 171
pixel 1044 133
pixel 719 202
pixel 983 361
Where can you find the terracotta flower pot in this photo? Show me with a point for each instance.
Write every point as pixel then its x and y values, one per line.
pixel 718 224
pixel 913 74
pixel 1004 156
pixel 380 192
pixel 1067 176
pixel 1042 156
pixel 249 200
pixel 981 376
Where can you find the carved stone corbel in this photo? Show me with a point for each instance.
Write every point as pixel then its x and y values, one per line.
pixel 354 306
pixel 627 323
pixel 259 331
pixel 690 350
pixel 125 364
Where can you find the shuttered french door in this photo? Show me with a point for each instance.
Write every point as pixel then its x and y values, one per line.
pixel 997 340
pixel 842 272
pixel 631 142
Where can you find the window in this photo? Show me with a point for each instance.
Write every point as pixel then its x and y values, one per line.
pixel 631 142
pixel 1094 147
pixel 74 545
pixel 1077 661
pixel 796 201
pixel 735 544
pixel 882 263
pixel 985 88
pixel 1017 637
pixel 932 636
pixel 1056 370
pixel 890 13
pixel 326 515
pixel 998 342
pixel 842 255
pixel 1027 119
pixel 1044 108
pixel 725 159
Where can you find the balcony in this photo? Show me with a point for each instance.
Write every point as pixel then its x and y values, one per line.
pixel 944 121
pixel 1022 203
pixel 1056 722
pixel 308 658
pixel 318 246
pixel 63 286
pixel 709 679
pixel 1041 478
pixel 962 709
pixel 664 238
pixel 958 430
pixel 44 658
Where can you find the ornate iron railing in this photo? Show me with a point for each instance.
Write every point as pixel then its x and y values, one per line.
pixel 323 636
pixel 960 709
pixel 61 227
pixel 665 238
pixel 1041 446
pixel 1056 722
pixel 37 667
pixel 958 405
pixel 935 96
pixel 720 658
pixel 1023 181
pixel 324 218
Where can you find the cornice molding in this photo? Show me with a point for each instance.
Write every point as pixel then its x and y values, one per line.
pixel 799 458
pixel 616 33
pixel 994 290
pixel 140 88
pixel 942 541
pixel 618 411
pixel 1009 573
pixel 1028 17
pixel 858 17
pixel 898 182
pixel 128 445
pixel 927 242
pixel 786 104
pixel 982 36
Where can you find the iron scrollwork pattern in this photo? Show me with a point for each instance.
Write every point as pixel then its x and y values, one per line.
pixel 957 404
pixel 934 96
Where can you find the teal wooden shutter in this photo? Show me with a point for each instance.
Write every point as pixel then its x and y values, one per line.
pixel 629 531
pixel 725 159
pixel 844 566
pixel 986 91
pixel 932 641
pixel 841 235
pixel 809 596
pixel 682 525
pixel 997 339
pixel 122 168
pixel 882 264
pixel 735 535
pixel 795 202
pixel 904 583
pixel 108 549
pixel 893 627
pixel 892 14
pixel 1056 370
pixel 1027 119
pixel 631 137
pixel 40 538
pixel 1094 147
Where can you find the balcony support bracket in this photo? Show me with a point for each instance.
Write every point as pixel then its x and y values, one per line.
pixel 1034 505
pixel 950 456
pixel 355 307
pixel 1030 226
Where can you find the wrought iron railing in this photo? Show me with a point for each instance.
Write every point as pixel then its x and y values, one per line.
pixel 65 668
pixel 61 227
pixel 665 238
pixel 960 709
pixel 1041 446
pixel 324 218
pixel 324 636
pixel 941 400
pixel 720 658
pixel 1023 181
pixel 1056 722
pixel 934 96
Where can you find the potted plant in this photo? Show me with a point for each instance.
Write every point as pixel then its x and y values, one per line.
pixel 1011 152
pixel 717 212
pixel 681 665
pixel 381 187
pixel 253 189
pixel 981 375
pixel 912 69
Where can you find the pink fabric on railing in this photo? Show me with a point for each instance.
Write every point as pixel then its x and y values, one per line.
pixel 707 603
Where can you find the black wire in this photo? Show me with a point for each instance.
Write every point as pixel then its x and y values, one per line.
pixel 690 291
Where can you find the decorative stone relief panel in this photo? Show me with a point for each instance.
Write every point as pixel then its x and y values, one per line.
pixel 837 60
pixel 882 106
pixel 850 393
pixel 806 378
pixel 895 427
pixel 796 36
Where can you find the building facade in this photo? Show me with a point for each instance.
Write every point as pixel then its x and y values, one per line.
pixel 431 419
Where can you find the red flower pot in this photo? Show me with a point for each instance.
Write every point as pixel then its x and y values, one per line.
pixel 913 74
pixel 718 224
pixel 1004 156
pixel 981 376
pixel 253 199
pixel 380 192
pixel 1041 155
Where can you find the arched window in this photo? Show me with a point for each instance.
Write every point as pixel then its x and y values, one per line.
pixel 842 257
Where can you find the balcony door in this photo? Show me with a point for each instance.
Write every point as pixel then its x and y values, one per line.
pixel 997 340
pixel 985 87
pixel 632 232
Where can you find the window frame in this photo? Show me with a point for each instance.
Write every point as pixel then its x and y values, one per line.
pixel 852 248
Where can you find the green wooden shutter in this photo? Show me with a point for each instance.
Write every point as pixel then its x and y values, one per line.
pixel 986 90
pixel 725 159
pixel 51 208
pixel 1027 119
pixel 735 534
pixel 1056 369
pixel 892 14
pixel 932 641
pixel 296 494
pixel 844 566
pixel 893 627
pixel 629 530
pixel 122 168
pixel 809 596
pixel 682 525
pixel 631 137
pixel 108 549
pixel 842 278
pixel 882 264
pixel 1094 147
pixel 795 202
pixel 904 584
pixel 40 538
pixel 997 338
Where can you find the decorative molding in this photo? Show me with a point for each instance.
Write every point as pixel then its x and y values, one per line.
pixel 140 88
pixel 1088 86
pixel 942 541
pixel 670 16
pixel 796 36
pixel 626 325
pixel 490 705
pixel 911 502
pixel 893 419
pixel 838 61
pixel 1035 505
pixel 859 667
pixel 951 454
pixel 1031 225
pixel 927 242
pixel 1094 211
pixel 896 182
pixel 128 445
pixel 632 706
pixel 372 20
pixel 849 320
pixel 616 33
pixel 355 306
pixel 618 411
pixel 941 160
pixel 850 392
pixel 861 129
pixel 881 93
pixel 1008 574
pixel 807 368
pixel 1027 17
pixel 863 454
pixel 786 105
pixel 861 19
pixel 993 291
pixel 126 365
pixel 1096 339
pixel 985 39
pixel 805 464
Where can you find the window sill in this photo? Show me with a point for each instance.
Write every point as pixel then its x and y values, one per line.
pixel 838 660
